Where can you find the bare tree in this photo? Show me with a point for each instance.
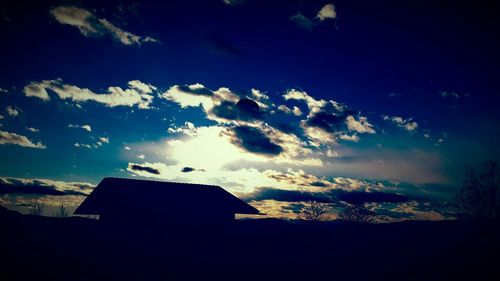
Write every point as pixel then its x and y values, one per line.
pixel 314 211
pixel 61 212
pixel 36 208
pixel 356 212
pixel 479 197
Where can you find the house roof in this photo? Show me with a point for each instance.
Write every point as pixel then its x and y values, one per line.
pixel 125 195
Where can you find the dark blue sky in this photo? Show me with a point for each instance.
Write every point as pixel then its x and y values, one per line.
pixel 392 92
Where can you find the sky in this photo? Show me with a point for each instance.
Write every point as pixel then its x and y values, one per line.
pixel 278 102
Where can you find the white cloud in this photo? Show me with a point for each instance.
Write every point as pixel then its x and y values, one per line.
pixel 360 126
pixel 2 90
pixel 84 127
pixel 296 111
pixel 138 93
pixel 1 117
pixel 79 18
pixel 123 36
pixel 406 124
pixel 126 147
pixel 190 96
pixel 13 138
pixel 82 145
pixel 12 111
pixel 261 99
pixel 346 137
pixel 327 12
pixel 284 108
pixel 33 130
pixel 313 104
pixel 38 90
pixel 102 140
pixel 188 129
pixel 143 87
pixel 196 95
pixel 90 25
pixel 141 156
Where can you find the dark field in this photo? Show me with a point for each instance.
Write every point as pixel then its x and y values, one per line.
pixel 43 248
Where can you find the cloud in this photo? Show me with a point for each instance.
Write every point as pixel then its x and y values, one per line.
pixel 145 168
pixel 190 96
pixel 233 2
pixel 346 137
pixel 328 121
pixel 357 197
pixel 206 147
pixel 334 196
pixel 143 87
pixel 272 144
pixel 33 130
pixel 296 111
pixel 38 90
pixel 188 129
pixel 302 21
pixel 446 94
pixel 412 210
pixel 278 209
pixel 188 169
pixel 327 12
pixel 137 93
pixel 13 138
pixel 1 117
pixel 89 25
pixel 141 156
pixel 266 193
pixel 43 187
pixel 414 165
pixel 361 125
pixel 87 128
pixel 254 140
pixel 18 193
pixel 2 90
pixel 313 104
pixel 82 145
pixel 12 111
pixel 406 124
pixel 285 109
pixel 222 105
pixel 100 140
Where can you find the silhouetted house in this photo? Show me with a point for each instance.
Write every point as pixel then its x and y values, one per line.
pixel 131 201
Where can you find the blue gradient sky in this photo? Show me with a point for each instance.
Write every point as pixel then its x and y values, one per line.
pixel 423 76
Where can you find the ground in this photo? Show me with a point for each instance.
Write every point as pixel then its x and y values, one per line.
pixel 44 248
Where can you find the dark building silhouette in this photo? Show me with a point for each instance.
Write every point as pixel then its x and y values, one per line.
pixel 130 201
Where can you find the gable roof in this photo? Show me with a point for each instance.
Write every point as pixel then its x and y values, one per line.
pixel 132 194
